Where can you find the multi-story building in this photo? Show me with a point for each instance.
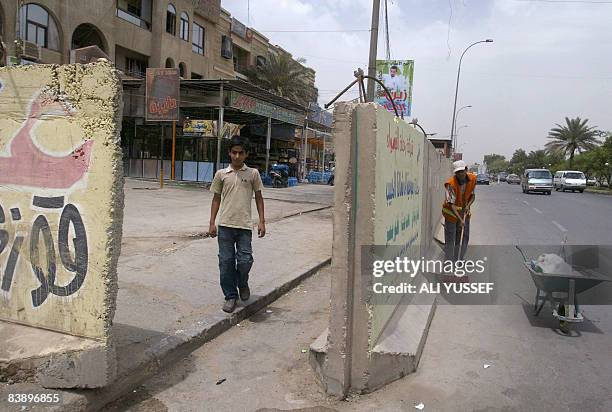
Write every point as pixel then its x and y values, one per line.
pixel 197 36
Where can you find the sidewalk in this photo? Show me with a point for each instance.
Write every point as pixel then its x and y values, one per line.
pixel 169 299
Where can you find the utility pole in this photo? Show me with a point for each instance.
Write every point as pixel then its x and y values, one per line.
pixel 373 49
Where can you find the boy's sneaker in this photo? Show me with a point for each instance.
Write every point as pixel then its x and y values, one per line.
pixel 229 305
pixel 245 293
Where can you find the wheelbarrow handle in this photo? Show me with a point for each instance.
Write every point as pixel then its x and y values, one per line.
pixel 520 250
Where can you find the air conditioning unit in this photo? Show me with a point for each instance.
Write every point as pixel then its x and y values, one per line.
pixel 30 50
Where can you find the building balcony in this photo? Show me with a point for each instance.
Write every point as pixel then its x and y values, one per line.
pixel 132 18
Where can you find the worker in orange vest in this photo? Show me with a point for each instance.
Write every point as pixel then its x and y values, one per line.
pixel 456 211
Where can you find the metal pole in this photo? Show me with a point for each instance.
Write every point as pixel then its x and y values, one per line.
pixel 173 148
pixel 323 154
pixel 305 148
pixel 373 49
pixel 18 33
pixel 219 129
pixel 268 138
pixel 300 168
pixel 161 168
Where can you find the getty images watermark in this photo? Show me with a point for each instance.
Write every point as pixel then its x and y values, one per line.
pixel 489 275
pixel 455 276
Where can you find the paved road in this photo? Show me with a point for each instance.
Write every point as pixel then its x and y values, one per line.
pixel 505 215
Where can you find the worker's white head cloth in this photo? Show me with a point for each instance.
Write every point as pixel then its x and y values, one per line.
pixel 459 165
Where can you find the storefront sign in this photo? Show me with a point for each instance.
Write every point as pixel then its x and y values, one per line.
pixel 318 115
pixel 162 95
pixel 199 127
pixel 229 129
pixel 252 105
pixel 239 28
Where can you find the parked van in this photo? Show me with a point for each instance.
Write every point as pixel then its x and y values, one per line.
pixel 537 180
pixel 570 180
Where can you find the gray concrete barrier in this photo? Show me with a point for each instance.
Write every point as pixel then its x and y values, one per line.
pixel 388 193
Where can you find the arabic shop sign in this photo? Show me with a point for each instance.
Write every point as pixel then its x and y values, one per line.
pixel 318 115
pixel 162 95
pixel 252 105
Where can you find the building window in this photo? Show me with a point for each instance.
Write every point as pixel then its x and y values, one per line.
pixel 261 61
pixel 37 26
pixel 138 12
pixel 171 20
pixel 226 47
pixel 197 39
pixel 182 70
pixel 169 63
pixel 184 26
pixel 135 67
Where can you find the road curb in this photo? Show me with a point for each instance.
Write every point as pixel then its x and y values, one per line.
pixel 600 192
pixel 178 346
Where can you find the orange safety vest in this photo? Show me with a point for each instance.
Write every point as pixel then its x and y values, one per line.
pixel 460 202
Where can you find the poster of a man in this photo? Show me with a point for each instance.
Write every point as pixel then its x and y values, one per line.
pixel 397 76
pixel 393 81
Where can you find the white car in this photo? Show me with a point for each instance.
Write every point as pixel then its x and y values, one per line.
pixel 573 180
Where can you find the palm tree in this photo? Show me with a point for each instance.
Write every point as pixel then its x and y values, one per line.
pixel 574 136
pixel 285 77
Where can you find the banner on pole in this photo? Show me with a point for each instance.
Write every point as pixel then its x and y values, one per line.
pixel 162 95
pixel 397 77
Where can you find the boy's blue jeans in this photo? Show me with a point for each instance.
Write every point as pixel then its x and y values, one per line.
pixel 235 259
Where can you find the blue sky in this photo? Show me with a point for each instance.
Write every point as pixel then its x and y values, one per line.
pixel 549 60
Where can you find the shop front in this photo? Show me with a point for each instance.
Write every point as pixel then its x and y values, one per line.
pixel 210 112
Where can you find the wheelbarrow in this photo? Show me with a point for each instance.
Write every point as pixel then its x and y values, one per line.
pixel 561 290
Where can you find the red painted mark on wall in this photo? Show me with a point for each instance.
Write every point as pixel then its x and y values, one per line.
pixel 30 166
pixel 397 142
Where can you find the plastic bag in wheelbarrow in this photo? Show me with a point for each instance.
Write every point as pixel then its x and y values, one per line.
pixel 551 263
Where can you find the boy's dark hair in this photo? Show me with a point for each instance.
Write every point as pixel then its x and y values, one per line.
pixel 395 67
pixel 239 141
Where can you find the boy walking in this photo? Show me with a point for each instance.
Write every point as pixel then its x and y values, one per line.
pixel 233 189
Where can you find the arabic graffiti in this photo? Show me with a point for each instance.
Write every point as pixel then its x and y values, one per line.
pixel 401 224
pixel 40 233
pixel 398 142
pixel 401 186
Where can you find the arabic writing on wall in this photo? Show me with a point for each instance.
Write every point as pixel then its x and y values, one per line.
pixel 401 185
pixel 73 253
pixel 397 141
pixel 403 223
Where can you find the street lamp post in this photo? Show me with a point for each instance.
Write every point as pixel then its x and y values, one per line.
pixel 463 107
pixel 461 127
pixel 457 87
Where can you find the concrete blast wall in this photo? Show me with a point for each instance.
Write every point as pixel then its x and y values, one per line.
pixel 61 207
pixel 388 193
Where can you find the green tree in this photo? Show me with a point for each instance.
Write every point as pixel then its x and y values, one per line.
pixel 518 162
pixel 537 159
pixel 490 158
pixel 285 77
pixel 574 136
